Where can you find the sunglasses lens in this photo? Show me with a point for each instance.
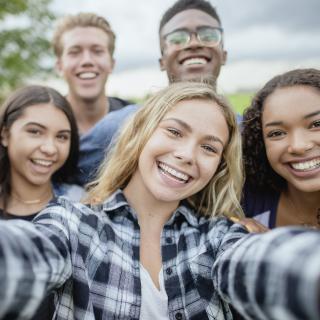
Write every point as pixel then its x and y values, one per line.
pixel 209 35
pixel 177 38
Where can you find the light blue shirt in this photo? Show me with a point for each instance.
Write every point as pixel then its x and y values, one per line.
pixel 95 143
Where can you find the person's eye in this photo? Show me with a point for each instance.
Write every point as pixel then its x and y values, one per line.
pixel 73 52
pixel 174 132
pixel 275 134
pixel 209 148
pixel 33 131
pixel 63 137
pixel 98 51
pixel 315 124
pixel 177 38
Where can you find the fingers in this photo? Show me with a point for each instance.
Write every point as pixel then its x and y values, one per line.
pixel 250 224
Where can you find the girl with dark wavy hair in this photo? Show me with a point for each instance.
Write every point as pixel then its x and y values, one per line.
pixel 281 147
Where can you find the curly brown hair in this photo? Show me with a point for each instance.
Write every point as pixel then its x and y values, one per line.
pixel 258 171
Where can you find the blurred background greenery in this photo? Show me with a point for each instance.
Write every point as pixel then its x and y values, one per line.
pixel 24 45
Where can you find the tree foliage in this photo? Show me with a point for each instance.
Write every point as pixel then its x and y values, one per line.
pixel 24 45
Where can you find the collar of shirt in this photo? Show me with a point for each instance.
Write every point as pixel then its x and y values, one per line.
pixel 118 200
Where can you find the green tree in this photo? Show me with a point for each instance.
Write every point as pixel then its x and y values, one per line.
pixel 24 45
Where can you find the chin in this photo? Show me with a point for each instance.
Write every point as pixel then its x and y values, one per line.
pixel 200 77
pixel 167 196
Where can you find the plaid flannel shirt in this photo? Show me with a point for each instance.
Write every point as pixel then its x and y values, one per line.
pixel 90 256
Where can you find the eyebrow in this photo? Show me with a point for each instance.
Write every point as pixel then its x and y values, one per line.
pixel 312 114
pixel 44 127
pixel 279 123
pixel 189 129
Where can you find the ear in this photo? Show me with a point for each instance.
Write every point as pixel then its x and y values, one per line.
pixel 113 63
pixel 162 64
pixel 4 137
pixel 224 57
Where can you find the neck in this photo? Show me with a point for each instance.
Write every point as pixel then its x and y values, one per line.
pixel 88 112
pixel 300 208
pixel 24 202
pixel 150 211
pixel 307 202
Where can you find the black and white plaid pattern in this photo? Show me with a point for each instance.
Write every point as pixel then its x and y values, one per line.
pixel 91 257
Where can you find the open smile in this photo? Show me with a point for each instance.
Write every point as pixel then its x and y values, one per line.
pixel 195 59
pixel 308 165
pixel 43 163
pixel 172 173
pixel 87 75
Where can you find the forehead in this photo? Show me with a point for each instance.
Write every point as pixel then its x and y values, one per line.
pixel 84 36
pixel 189 19
pixel 44 113
pixel 291 101
pixel 205 117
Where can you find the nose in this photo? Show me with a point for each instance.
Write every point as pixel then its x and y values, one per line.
pixel 48 147
pixel 86 58
pixel 185 153
pixel 194 41
pixel 299 143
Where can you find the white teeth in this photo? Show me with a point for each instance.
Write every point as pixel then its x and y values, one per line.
pixel 87 75
pixel 192 61
pixel 45 163
pixel 307 165
pixel 173 172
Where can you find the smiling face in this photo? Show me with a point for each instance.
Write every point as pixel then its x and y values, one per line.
pixel 85 62
pixel 195 60
pixel 183 153
pixel 38 144
pixel 291 131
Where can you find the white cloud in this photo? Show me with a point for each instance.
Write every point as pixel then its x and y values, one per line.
pixel 263 38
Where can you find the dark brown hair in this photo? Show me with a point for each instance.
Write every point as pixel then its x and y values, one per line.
pixel 13 108
pixel 259 173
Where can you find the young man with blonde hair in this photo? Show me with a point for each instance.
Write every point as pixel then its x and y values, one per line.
pixel 84 46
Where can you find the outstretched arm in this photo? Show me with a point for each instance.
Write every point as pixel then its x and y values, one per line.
pixel 33 260
pixel 275 275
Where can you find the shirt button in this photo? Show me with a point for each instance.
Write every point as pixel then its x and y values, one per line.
pixel 168 271
pixel 178 316
pixel 169 240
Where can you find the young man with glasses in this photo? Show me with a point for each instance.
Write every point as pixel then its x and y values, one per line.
pixel 191 43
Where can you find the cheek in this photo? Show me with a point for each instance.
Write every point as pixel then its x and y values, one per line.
pixel 64 151
pixel 105 62
pixel 209 168
pixel 272 152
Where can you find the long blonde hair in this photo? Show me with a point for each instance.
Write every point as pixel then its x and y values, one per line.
pixel 222 193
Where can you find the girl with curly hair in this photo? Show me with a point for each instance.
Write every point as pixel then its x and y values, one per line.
pixel 281 147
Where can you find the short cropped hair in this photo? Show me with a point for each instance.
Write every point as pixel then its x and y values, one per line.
pixel 70 22
pixel 182 5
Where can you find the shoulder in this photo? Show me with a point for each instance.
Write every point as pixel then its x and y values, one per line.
pixel 71 191
pixel 115 118
pixel 116 103
pixel 255 202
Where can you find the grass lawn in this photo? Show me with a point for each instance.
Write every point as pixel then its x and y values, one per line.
pixel 240 101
